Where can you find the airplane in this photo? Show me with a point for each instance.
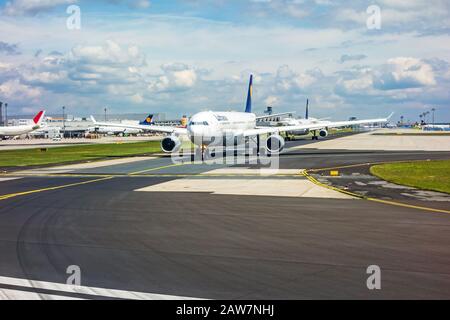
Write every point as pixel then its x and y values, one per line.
pixel 12 131
pixel 233 128
pixel 323 132
pixel 290 121
pixel 436 127
pixel 147 121
pixel 112 129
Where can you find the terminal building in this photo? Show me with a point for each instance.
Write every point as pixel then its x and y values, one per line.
pixel 55 126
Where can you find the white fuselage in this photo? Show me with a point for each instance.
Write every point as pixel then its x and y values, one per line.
pixel 114 130
pixel 297 122
pixel 209 127
pixel 17 130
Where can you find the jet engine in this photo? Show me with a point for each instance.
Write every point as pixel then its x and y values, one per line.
pixel 170 144
pixel 275 143
pixel 323 133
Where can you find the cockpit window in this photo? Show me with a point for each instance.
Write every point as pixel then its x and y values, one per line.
pixel 198 123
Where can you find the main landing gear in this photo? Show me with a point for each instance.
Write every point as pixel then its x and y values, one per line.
pixel 314 137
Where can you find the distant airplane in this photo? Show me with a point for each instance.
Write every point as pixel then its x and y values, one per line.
pixel 113 130
pixel 147 121
pixel 323 131
pixel 233 128
pixel 12 131
pixel 436 127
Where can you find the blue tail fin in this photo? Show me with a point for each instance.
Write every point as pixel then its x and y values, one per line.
pixel 307 109
pixel 248 106
pixel 147 121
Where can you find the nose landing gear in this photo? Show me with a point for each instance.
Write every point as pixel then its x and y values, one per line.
pixel 203 150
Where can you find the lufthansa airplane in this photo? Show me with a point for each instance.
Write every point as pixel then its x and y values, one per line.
pixel 13 131
pixel 233 128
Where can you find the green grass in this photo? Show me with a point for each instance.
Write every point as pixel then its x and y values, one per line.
pixel 28 157
pixel 427 175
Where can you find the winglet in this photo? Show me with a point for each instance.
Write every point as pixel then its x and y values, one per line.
pixel 248 106
pixel 93 119
pixel 38 118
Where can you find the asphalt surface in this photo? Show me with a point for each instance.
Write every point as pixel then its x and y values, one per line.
pixel 220 246
pixel 357 179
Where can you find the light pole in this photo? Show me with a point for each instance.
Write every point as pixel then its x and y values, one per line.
pixel 432 110
pixel 6 114
pixel 1 116
pixel 105 113
pixel 64 120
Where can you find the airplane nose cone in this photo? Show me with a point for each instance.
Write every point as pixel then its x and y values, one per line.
pixel 194 130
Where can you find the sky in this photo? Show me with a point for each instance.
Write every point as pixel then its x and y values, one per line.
pixel 184 56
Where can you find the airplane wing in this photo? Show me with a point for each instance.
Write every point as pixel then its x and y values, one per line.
pixel 152 128
pixel 357 122
pixel 269 116
pixel 311 126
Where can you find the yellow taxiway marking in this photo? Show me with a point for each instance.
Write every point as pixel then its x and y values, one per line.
pixel 24 193
pixel 157 168
pixel 129 175
pixel 394 203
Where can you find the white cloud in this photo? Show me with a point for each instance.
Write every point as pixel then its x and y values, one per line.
pixel 137 98
pixel 288 79
pixel 403 72
pixel 16 91
pixel 32 7
pixel 361 83
pixel 271 101
pixel 175 76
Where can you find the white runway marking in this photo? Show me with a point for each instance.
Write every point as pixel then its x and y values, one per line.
pixel 246 171
pixel 8 294
pixel 249 184
pixel 60 289
pixel 8 179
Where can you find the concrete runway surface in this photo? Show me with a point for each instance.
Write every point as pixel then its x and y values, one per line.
pixel 148 229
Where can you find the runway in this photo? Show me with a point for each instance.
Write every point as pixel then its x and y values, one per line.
pixel 134 238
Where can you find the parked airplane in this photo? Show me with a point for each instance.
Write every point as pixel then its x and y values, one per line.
pixel 147 121
pixel 12 131
pixel 112 129
pixel 290 121
pixel 436 127
pixel 322 132
pixel 233 128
